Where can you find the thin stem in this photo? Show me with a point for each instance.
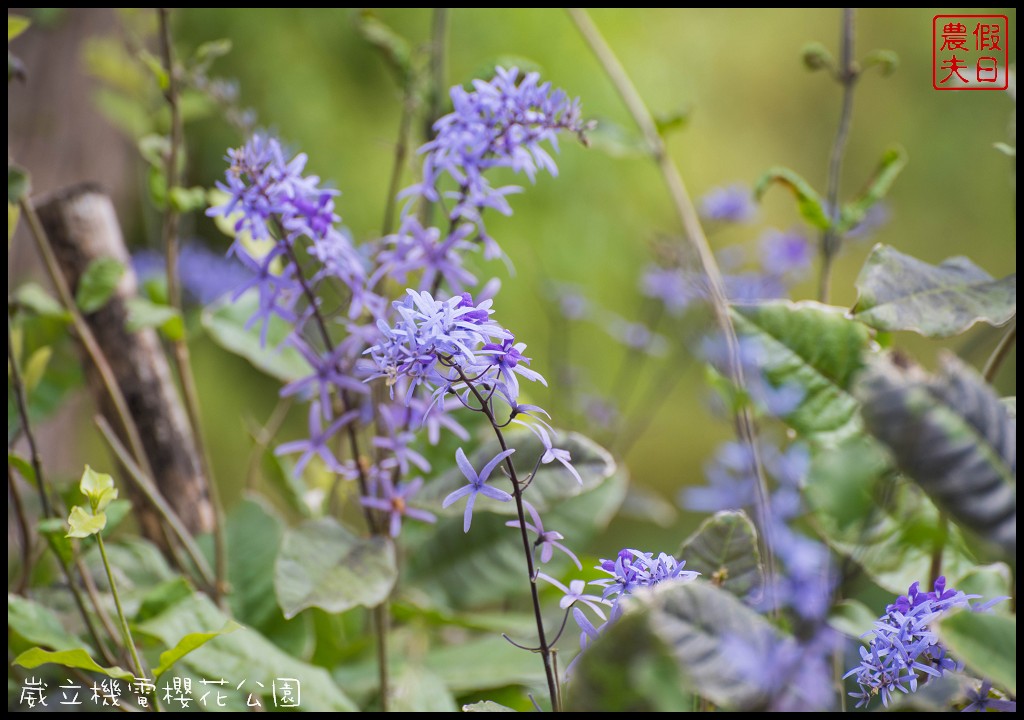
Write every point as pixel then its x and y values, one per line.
pixel 85 336
pixel 1000 354
pixel 401 154
pixel 686 212
pixel 21 397
pixel 126 633
pixel 543 647
pixel 381 620
pixel 938 548
pixel 182 358
pixel 438 33
pixel 23 530
pixel 846 74
pixel 148 488
pixel 94 597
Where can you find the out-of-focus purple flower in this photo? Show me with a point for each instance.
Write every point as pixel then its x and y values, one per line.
pixel 731 478
pixel 980 700
pixel 547 540
pixel 785 254
pixel 875 218
pixel 734 203
pixel 318 442
pixel 636 336
pixel 205 275
pixel 672 286
pixel 903 644
pixel 477 484
pixel 395 501
pixel 572 303
pixel 749 287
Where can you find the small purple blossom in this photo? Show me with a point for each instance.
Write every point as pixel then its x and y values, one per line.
pixel 477 484
pixel 395 501
pixel 734 203
pixel 632 569
pixel 317 443
pixel 980 700
pixel 575 594
pixel 785 254
pixel 547 540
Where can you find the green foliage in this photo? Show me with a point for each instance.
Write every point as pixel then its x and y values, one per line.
pixel 486 706
pixel 98 283
pixel 898 292
pixel 16 25
pixel 74 658
pixel 724 550
pixel 189 643
pixel 986 642
pixel 36 624
pixel 321 564
pixel 143 313
pixel 892 164
pixel 809 203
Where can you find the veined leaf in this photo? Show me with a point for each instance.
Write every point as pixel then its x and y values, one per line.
pixel 724 550
pixel 76 658
pixel 986 642
pixel 899 292
pixel 192 641
pixel 953 437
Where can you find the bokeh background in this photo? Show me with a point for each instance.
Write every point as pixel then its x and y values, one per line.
pixel 749 102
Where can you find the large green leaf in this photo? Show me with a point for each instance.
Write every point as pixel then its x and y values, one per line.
pixel 986 642
pixel 76 658
pixel 189 643
pixel 711 636
pixel 242 654
pixel 724 550
pixel 321 564
pixel 417 689
pixel 254 534
pixel 226 321
pixel 550 487
pixel 819 349
pixel 487 564
pixel 37 624
pixel 951 435
pixel 899 292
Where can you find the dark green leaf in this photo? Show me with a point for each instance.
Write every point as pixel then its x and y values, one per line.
pixel 189 643
pixel 38 625
pixel 17 183
pixel 98 283
pixel 986 642
pixel 486 706
pixel 225 322
pixel 898 292
pixel 810 204
pixel 76 658
pixel 162 597
pixel 951 435
pixel 724 550
pixel 143 313
pixel 321 564
pixel 553 483
pixel 817 348
pixel 254 533
pixel 892 163
pixel 393 47
pixel 242 654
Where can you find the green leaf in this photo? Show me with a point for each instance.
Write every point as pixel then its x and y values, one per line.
pixel 192 641
pixel 18 185
pixel 321 564
pixel 810 204
pixel 988 582
pixel 116 512
pixel 76 658
pixel 486 706
pixel 36 367
pixel 393 47
pixel 648 506
pixel 23 466
pixel 680 638
pixel 254 534
pixel 162 597
pixel 143 313
pixel 155 67
pixel 953 437
pixel 419 690
pixel 186 200
pixel 487 565
pixel 225 322
pixel 852 618
pixel 37 624
pixel 892 163
pixel 484 663
pixel 242 654
pixel 724 550
pixel 33 297
pixel 898 292
pixel 986 642
pixel 817 348
pixel 98 488
pixel 210 51
pixel 13 216
pixel 552 484
pixel 154 149
pixel 16 25
pixel 98 283
pixel 886 60
pixel 83 523
pixel 673 121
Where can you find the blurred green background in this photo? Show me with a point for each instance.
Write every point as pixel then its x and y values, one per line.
pixel 751 104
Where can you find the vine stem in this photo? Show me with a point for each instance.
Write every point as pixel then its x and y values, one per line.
pixel 126 632
pixel 1000 354
pixel 846 74
pixel 182 357
pixel 688 218
pixel 517 493
pixel 85 335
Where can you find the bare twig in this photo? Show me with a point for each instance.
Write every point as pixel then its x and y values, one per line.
pixel 1000 354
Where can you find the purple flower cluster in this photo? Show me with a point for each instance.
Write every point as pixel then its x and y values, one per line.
pixel 902 648
pixel 205 275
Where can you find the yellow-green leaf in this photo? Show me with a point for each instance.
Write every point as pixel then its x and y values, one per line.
pixel 36 367
pixel 16 25
pixel 77 658
pixel 83 523
pixel 187 644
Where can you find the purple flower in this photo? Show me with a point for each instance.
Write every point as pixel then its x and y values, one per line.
pixel 633 569
pixel 395 502
pixel 508 359
pixel 785 254
pixel 574 594
pixel 673 287
pixel 980 700
pixel 317 443
pixel 734 203
pixel 205 276
pixel 477 484
pixel 547 540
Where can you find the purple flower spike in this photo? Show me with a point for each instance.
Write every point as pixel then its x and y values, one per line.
pixel 477 484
